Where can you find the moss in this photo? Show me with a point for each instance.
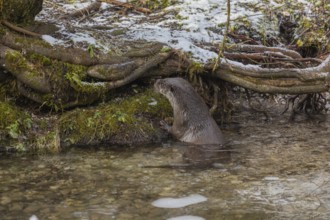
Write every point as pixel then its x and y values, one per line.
pixel 121 121
pixel 20 11
pixel 11 115
pixel 60 71
pixel 196 68
pixel 118 32
pixel 49 142
pixel 42 60
pixel 67 81
pixel 133 119
pixel 14 58
pixel 155 4
pixel 28 42
pixel 8 89
pixel 14 124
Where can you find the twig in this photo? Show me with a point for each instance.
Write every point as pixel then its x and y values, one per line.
pixel 266 55
pixel 223 44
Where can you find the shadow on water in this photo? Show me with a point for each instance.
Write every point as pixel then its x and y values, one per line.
pixel 273 170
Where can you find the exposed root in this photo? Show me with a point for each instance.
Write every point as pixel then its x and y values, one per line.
pixel 308 104
pixel 215 98
pixel 254 108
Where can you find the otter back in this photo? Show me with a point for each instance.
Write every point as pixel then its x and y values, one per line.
pixel 192 120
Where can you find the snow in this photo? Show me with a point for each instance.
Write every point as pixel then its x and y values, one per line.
pixel 33 217
pixel 51 40
pixel 186 25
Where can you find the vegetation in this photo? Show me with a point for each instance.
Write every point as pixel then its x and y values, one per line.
pixel 53 96
pixel 128 120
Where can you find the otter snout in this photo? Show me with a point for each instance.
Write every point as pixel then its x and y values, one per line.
pixel 157 85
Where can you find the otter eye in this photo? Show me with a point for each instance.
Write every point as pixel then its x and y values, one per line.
pixel 171 89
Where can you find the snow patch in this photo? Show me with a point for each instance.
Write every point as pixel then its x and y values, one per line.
pixel 179 202
pixel 51 40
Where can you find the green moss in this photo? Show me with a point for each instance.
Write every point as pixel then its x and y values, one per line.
pixel 28 42
pixel 196 67
pixel 14 58
pixel 20 11
pixel 49 142
pixel 125 118
pixel 60 71
pixel 14 123
pixel 7 89
pixel 118 32
pixel 11 115
pixel 155 4
pixel 37 58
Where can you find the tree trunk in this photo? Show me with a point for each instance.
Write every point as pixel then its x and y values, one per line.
pixel 20 11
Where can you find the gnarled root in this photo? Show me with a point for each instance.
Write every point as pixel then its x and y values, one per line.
pixel 308 103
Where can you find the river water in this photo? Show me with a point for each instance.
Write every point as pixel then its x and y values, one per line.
pixel 270 170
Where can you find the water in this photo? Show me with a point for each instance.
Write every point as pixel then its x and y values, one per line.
pixel 275 170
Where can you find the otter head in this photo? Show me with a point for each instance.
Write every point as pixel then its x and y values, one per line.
pixel 171 88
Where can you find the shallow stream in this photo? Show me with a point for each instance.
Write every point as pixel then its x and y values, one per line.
pixel 272 170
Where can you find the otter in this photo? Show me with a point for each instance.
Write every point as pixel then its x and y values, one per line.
pixel 192 121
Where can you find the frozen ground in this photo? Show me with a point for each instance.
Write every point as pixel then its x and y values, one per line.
pixel 185 25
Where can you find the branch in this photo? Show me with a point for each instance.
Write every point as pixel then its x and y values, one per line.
pixel 95 6
pixel 23 70
pixel 307 74
pixel 259 48
pixel 277 80
pixel 127 5
pixel 259 87
pixel 139 72
pixel 20 30
pixel 110 72
pixel 70 55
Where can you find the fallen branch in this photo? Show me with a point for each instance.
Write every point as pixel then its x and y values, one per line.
pixel 275 56
pixel 20 30
pixel 127 6
pixel 262 88
pixel 318 73
pixel 95 6
pixel 259 48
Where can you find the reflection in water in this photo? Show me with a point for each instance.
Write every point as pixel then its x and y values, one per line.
pixel 186 217
pixel 278 171
pixel 179 202
pixel 198 157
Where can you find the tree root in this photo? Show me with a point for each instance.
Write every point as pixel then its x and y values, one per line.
pixel 254 108
pixel 92 76
pixel 308 103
